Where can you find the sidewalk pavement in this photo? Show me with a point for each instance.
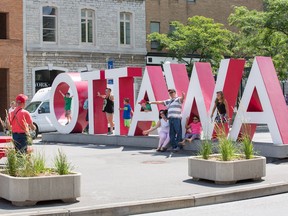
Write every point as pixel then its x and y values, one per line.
pixel 119 180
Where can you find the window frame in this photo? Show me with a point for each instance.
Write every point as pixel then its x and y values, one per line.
pixel 125 21
pixel 55 16
pixel 87 18
pixel 154 44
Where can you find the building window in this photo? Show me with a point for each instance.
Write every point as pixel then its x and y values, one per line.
pixel 171 28
pixel 191 0
pixel 154 27
pixel 3 24
pixel 87 20
pixel 49 24
pixel 125 28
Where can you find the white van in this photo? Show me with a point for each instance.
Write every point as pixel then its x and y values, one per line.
pixel 39 110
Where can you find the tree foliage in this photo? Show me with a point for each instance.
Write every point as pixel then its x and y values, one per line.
pixel 262 33
pixel 201 36
pixel 259 33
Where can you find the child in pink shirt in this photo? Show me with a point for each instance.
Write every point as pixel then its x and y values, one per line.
pixel 193 130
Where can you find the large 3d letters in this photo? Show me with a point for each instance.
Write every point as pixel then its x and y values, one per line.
pixel 96 83
pixel 202 90
pixel 262 102
pixel 154 88
pixel 123 79
pixel 78 89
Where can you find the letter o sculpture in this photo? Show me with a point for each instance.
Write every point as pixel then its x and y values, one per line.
pixel 78 90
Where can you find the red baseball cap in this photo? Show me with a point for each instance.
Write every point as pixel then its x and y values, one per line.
pixel 142 101
pixel 21 98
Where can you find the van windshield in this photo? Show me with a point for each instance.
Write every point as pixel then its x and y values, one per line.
pixel 31 108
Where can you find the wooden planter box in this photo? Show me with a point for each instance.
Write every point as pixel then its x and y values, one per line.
pixel 226 172
pixel 26 191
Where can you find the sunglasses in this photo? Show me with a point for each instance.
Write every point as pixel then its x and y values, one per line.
pixel 171 92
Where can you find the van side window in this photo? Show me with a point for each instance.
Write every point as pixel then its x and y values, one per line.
pixel 45 108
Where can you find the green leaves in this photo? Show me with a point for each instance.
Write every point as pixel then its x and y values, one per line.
pixel 201 36
pixel 263 33
pixel 256 33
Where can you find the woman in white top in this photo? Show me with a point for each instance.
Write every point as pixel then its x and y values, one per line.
pixel 164 138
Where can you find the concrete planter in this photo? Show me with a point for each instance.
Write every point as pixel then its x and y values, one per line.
pixel 226 172
pixel 26 191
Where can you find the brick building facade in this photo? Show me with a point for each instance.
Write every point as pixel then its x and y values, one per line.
pixel 81 35
pixel 11 52
pixel 159 14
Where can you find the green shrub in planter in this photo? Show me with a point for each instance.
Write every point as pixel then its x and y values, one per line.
pixel 30 165
pixel 62 166
pixel 206 149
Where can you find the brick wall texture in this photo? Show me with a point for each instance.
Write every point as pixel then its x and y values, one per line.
pixel 11 53
pixel 165 11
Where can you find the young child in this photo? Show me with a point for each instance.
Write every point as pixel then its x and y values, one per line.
pixel 68 101
pixel 127 112
pixel 145 106
pixel 193 130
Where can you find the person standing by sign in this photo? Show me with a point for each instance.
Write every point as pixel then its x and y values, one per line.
pixel 127 112
pixel 108 108
pixel 222 115
pixel 85 107
pixel 68 101
pixel 174 107
pixel 20 122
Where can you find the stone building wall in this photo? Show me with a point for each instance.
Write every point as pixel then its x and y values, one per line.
pixel 69 52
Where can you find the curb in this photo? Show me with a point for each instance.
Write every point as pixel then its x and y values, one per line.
pixel 154 205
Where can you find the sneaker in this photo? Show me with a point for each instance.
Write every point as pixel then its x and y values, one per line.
pixel 176 149
pixel 109 133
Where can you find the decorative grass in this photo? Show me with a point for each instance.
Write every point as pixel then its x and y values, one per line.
pixel 62 166
pixel 206 149
pixel 30 165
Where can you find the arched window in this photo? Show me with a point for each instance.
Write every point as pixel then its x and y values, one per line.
pixel 49 24
pixel 87 23
pixel 125 28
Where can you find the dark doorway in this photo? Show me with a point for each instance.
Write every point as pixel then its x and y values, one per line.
pixel 45 78
pixel 3 93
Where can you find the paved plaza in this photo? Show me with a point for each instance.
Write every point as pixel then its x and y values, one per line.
pixel 120 180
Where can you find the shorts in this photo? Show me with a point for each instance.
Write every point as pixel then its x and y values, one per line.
pixel 221 118
pixel 67 113
pixel 20 142
pixel 127 122
pixel 192 136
